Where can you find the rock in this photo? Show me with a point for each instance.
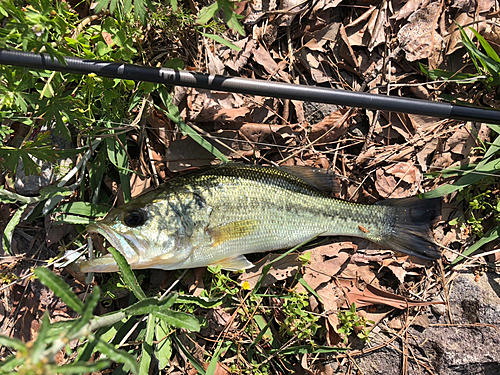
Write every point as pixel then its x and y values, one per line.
pixel 315 112
pixel 468 346
pixel 30 185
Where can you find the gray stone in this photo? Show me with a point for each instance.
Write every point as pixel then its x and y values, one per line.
pixel 468 346
pixel 30 185
pixel 315 112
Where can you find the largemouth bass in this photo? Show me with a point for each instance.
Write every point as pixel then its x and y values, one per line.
pixel 216 215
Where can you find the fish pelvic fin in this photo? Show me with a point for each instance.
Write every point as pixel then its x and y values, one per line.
pixel 411 222
pixel 236 263
pixel 232 230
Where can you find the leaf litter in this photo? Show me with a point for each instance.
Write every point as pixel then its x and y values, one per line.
pixel 383 155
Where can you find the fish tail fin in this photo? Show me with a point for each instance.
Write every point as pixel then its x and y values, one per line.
pixel 410 222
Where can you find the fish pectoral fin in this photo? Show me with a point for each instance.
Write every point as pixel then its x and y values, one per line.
pixel 232 230
pixel 234 264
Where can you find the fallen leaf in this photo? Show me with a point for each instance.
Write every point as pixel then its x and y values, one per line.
pixel 419 38
pixel 399 180
pixel 240 60
pixel 331 127
pixel 280 270
pixel 375 296
pixel 408 8
pixel 326 261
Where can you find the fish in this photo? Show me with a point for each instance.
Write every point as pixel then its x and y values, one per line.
pixel 218 214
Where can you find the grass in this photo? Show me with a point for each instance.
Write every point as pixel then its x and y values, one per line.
pixel 88 107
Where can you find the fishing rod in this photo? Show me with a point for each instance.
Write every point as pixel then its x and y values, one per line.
pixel 249 86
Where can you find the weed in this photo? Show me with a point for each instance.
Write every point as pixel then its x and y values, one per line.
pixel 299 321
pixel 351 322
pixel 476 183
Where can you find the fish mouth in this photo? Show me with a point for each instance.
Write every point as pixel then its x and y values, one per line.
pixel 126 243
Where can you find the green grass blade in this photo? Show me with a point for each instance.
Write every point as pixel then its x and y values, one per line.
pixel 127 274
pixel 179 319
pixel 205 302
pixel 174 115
pixel 267 267
pixel 163 350
pixel 264 330
pixel 221 348
pixel 83 208
pixel 118 356
pixel 148 306
pixel 40 344
pixel 189 356
pixel 310 349
pixel 491 235
pixel 147 347
pixel 487 47
pixel 122 159
pixel 474 176
pixel 60 288
pixel 13 343
pixel 208 12
pixel 82 368
pixel 9 229
pixel 221 40
pixel 10 197
pixel 8 365
pixel 87 313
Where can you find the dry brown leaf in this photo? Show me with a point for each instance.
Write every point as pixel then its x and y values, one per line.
pixel 408 8
pixel 375 296
pixel 332 297
pixel 280 270
pixel 376 27
pixel 322 5
pixel 486 6
pixel 265 132
pixel 326 261
pixel 139 181
pixel 108 38
pixel 258 10
pixel 262 56
pixel 330 129
pixel 367 258
pixel 185 153
pixel 453 40
pixel 215 65
pixel 240 60
pixel 57 232
pixel 292 8
pixel 419 37
pixel 423 156
pixel 322 36
pixel 398 271
pixel 468 6
pixel 355 271
pixel 160 123
pixel 332 337
pixel 399 180
pixel 346 51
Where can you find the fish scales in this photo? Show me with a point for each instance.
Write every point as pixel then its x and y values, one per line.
pixel 219 214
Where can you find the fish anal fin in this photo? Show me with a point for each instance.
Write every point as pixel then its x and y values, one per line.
pixel 236 263
pixel 232 230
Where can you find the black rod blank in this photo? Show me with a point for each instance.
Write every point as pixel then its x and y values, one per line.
pixel 250 86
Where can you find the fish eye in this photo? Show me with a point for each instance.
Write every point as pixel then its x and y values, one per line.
pixel 134 219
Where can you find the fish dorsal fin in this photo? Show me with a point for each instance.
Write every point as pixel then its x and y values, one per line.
pixel 322 179
pixel 236 263
pixel 232 230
